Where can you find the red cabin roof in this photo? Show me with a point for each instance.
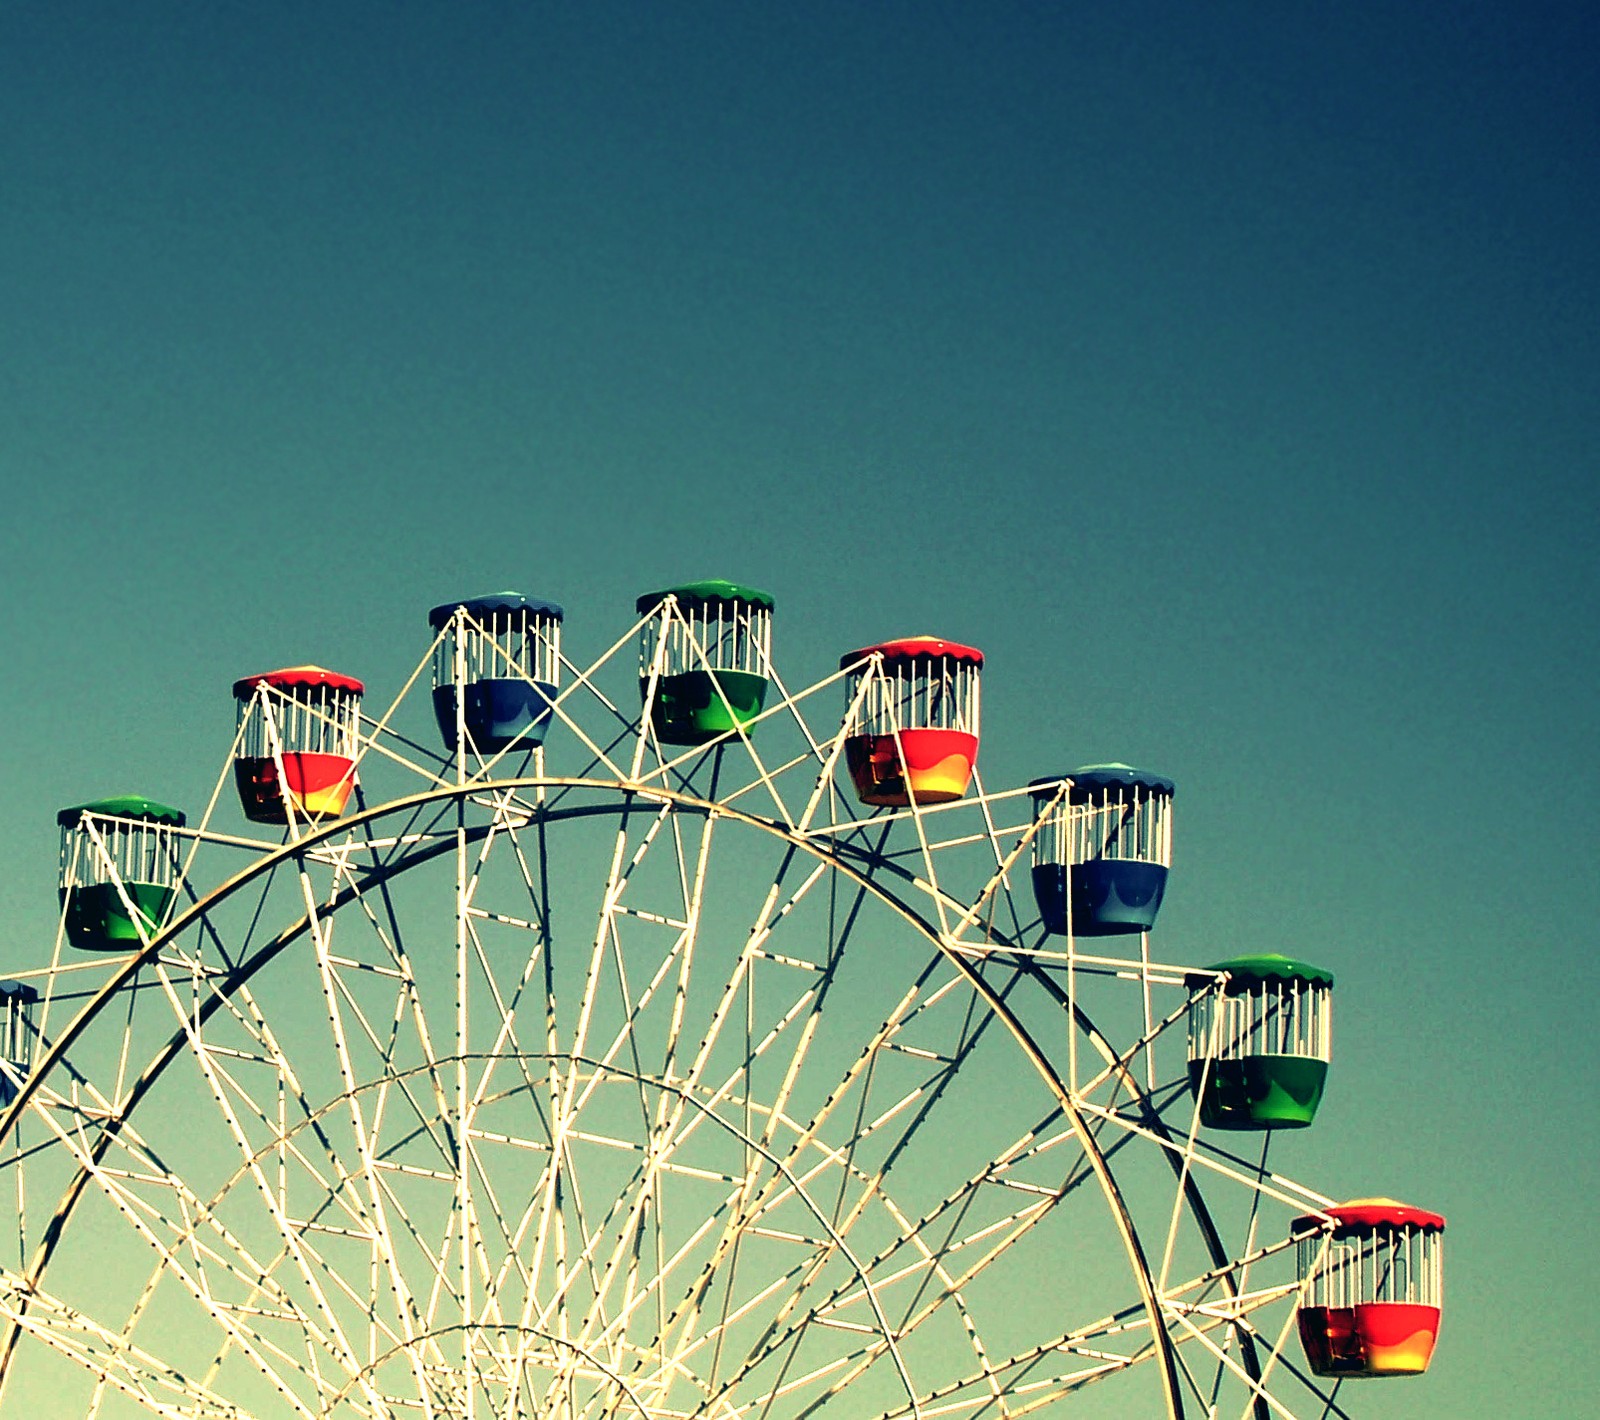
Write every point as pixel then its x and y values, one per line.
pixel 1364 1215
pixel 913 648
pixel 294 676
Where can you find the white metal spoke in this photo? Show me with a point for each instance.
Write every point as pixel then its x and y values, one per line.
pixel 679 1087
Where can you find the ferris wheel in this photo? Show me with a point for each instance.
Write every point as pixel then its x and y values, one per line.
pixel 644 1038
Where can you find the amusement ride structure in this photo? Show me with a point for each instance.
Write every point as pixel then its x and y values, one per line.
pixel 649 1039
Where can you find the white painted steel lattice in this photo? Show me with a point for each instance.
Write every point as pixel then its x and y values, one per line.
pixel 631 1081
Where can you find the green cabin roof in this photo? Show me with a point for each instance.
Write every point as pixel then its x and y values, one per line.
pixel 698 593
pixel 1266 966
pixel 124 806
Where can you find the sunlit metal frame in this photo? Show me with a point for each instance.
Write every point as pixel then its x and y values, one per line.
pixel 978 930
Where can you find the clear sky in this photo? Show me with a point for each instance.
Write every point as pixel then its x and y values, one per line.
pixel 1227 372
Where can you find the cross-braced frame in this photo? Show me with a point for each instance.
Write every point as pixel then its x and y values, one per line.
pixel 659 1081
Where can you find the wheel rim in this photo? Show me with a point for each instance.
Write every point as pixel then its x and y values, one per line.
pixel 829 1135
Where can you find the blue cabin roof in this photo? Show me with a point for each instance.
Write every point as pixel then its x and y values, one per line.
pixel 497 601
pixel 1095 778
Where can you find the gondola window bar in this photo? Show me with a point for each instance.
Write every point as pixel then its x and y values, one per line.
pixel 16 1025
pixel 1129 824
pixel 137 851
pixel 716 635
pixel 502 644
pixel 919 693
pixel 1291 1017
pixel 310 719
pixel 1398 1264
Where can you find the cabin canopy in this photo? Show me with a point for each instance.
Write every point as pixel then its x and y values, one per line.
pixel 132 806
pixel 710 592
pixel 1262 969
pixel 509 605
pixel 1097 781
pixel 294 678
pixel 1371 1215
pixel 914 648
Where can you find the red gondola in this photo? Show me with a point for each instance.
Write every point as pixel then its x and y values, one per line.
pixel 914 720
pixel 300 721
pixel 1373 1287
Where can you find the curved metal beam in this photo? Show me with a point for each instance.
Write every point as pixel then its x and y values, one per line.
pixel 831 853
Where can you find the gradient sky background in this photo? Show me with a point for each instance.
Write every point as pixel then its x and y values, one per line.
pixel 1227 372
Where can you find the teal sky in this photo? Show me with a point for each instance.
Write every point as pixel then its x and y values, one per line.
pixel 1228 373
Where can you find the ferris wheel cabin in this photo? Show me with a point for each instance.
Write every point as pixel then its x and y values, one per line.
pixel 17 1034
pixel 1372 1288
pixel 912 734
pixel 1102 853
pixel 1260 1036
pixel 119 871
pixel 505 650
pixel 705 651
pixel 304 720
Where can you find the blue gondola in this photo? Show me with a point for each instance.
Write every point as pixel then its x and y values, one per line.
pixel 506 649
pixel 1103 850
